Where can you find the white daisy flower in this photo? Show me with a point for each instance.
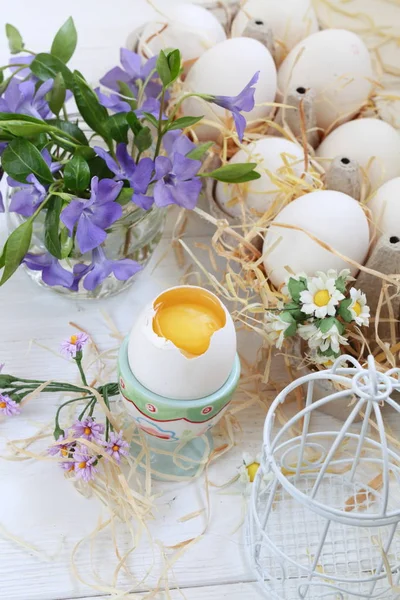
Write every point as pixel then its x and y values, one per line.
pixel 359 309
pixel 326 361
pixel 307 331
pixel 322 297
pixel 249 468
pixel 275 328
pixel 324 341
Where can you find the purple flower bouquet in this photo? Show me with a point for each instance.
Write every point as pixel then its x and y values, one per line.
pixel 88 191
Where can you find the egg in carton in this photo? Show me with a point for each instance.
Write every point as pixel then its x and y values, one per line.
pixel 223 10
pixel 189 27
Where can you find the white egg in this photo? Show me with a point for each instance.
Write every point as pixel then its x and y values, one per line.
pixel 337 65
pixel 289 20
pixel 225 70
pixel 333 218
pixel 192 29
pixel 173 369
pixel 385 208
pixel 276 157
pixel 374 144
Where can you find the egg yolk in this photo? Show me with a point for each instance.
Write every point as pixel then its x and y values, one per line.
pixel 188 317
pixel 322 298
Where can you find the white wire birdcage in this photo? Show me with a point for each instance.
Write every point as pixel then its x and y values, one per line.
pixel 325 505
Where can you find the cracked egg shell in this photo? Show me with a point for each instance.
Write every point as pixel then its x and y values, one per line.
pixel 199 360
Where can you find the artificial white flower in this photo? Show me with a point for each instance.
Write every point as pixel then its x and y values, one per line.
pixel 307 331
pixel 326 361
pixel 333 274
pixel 321 297
pixel 296 277
pixel 330 339
pixel 275 328
pixel 249 468
pixel 359 309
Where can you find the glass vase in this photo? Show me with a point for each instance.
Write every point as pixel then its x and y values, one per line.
pixel 135 236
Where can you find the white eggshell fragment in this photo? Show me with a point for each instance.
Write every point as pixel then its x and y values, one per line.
pixel 374 144
pixel 333 218
pixel 165 370
pixel 192 29
pixel 225 70
pixel 276 157
pixel 337 65
pixel 289 20
pixel 385 208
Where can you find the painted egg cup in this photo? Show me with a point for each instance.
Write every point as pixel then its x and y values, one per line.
pixel 178 427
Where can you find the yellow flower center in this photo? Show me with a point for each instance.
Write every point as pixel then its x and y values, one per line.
pixel 115 448
pixel 322 298
pixel 3 404
pixel 73 339
pixel 64 452
pixel 357 308
pixel 87 431
pixel 82 465
pixel 252 470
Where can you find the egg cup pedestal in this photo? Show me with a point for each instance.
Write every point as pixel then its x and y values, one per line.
pixel 176 433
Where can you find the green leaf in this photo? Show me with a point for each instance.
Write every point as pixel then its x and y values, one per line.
pixel 21 158
pixel 52 222
pixel 65 41
pixel 98 168
pixel 46 66
pixel 67 243
pixel 134 123
pixel 344 310
pixel 238 173
pixel 163 68
pixel 295 311
pixel 291 330
pixel 77 174
pixel 89 106
pixel 125 196
pixel 174 62
pixel 117 127
pixel 143 139
pixel 198 152
pixel 15 249
pixel 85 151
pixel 15 41
pixel 151 119
pixel 1 76
pixel 126 91
pixel 340 284
pixel 326 324
pixel 57 94
pixel 295 288
pixel 23 128
pixel 184 122
pixel 71 128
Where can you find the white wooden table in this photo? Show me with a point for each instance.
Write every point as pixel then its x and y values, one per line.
pixel 37 504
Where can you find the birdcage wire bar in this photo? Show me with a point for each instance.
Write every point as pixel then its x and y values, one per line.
pixel 325 505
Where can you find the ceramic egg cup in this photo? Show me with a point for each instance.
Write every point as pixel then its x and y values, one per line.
pixel 177 432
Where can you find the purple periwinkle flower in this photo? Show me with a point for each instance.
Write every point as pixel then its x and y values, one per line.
pixel 132 73
pixel 124 167
pixel 52 271
pixel 20 73
pixel 85 464
pixel 151 106
pixel 8 407
pixel 116 446
pixel 113 102
pixel 92 217
pixel 176 175
pixel 88 429
pixel 74 344
pixel 26 200
pixel 23 98
pixel 102 267
pixel 236 104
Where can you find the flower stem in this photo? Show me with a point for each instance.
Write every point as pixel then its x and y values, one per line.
pixel 160 134
pixel 78 360
pixel 65 404
pixel 88 405
pixel 105 396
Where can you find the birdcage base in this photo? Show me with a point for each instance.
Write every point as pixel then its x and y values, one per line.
pixel 294 559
